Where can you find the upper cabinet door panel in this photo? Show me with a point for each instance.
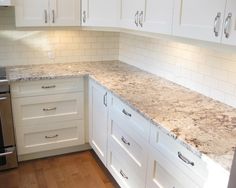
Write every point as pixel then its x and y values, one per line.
pixel 158 16
pixel 65 12
pixel 32 13
pixel 229 28
pixel 199 19
pixel 130 11
pixel 102 13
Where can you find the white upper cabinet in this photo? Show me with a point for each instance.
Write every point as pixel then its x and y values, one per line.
pixel 30 13
pixel 102 13
pixel 199 19
pixel 131 11
pixel 229 26
pixel 65 12
pixel 158 16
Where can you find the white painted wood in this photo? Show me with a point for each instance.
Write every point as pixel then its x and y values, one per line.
pixel 65 12
pixel 195 19
pixel 230 8
pixel 102 13
pixel 158 16
pixel 36 137
pixel 162 173
pixel 134 121
pixel 98 119
pixel 32 13
pixel 46 87
pixel 129 8
pixel 49 108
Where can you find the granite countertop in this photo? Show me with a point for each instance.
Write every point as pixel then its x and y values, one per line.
pixel 203 125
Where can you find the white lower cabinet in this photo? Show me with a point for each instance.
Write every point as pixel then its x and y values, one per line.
pixel 98 119
pixel 162 173
pixel 48 114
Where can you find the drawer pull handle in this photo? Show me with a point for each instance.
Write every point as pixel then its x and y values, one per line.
pixel 126 113
pixel 105 99
pixel 183 158
pixel 125 141
pixel 49 109
pixel 123 174
pixel 54 136
pixel 48 87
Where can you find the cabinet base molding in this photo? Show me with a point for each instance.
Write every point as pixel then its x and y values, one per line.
pixel 55 152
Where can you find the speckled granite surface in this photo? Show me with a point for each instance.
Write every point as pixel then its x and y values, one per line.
pixel 207 126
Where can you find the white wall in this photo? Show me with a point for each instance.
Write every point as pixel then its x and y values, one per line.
pixel 31 46
pixel 207 70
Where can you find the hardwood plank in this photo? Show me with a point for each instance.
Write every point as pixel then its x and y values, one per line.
pixel 77 170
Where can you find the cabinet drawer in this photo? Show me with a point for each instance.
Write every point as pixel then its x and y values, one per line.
pixel 46 87
pixel 39 109
pixel 130 142
pixel 164 174
pixel 42 137
pixel 132 120
pixel 126 172
pixel 181 156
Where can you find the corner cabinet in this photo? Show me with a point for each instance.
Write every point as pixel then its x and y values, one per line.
pixel 98 119
pixel 102 13
pixel 31 13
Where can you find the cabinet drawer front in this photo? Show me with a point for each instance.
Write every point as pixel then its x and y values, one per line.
pixel 126 172
pixel 132 119
pixel 181 156
pixel 131 144
pixel 46 87
pixel 32 110
pixel 42 137
pixel 162 173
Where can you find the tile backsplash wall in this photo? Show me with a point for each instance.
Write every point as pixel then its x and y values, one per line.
pixel 209 71
pixel 52 45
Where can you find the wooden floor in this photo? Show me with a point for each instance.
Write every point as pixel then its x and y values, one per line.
pixel 78 170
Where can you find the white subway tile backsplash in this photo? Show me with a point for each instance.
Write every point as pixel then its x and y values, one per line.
pixel 207 70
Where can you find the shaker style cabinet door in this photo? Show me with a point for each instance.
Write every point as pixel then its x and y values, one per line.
pixel 158 16
pixel 199 19
pixel 131 11
pixel 32 13
pixel 65 12
pixel 100 13
pixel 98 119
pixel 229 26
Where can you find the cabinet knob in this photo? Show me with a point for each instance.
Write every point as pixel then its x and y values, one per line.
pixel 217 24
pixel 54 136
pixel 136 18
pixel 126 113
pixel 123 174
pixel 84 16
pixel 184 159
pixel 45 16
pixel 141 19
pixel 53 16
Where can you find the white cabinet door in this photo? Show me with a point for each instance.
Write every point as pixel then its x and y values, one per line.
pixel 98 120
pixel 102 13
pixel 158 16
pixel 199 19
pixel 130 12
pixel 65 12
pixel 229 28
pixel 32 13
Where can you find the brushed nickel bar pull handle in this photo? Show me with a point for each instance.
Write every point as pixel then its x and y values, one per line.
pixel 126 113
pixel 123 174
pixel 45 16
pixel 49 109
pixel 48 87
pixel 105 99
pixel 84 16
pixel 141 19
pixel 136 18
pixel 184 159
pixel 3 98
pixel 6 153
pixel 217 24
pixel 227 25
pixel 53 16
pixel 54 136
pixel 125 141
